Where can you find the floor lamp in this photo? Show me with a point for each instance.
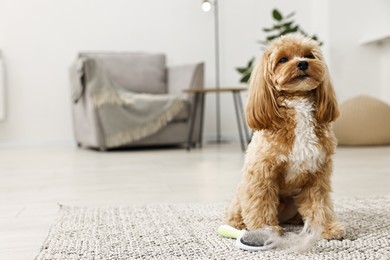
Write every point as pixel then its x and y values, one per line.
pixel 207 5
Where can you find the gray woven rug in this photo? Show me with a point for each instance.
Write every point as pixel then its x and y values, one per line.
pixel 188 231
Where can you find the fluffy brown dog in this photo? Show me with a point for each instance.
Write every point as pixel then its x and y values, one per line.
pixel 288 164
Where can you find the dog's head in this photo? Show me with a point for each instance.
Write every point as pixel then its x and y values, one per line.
pixel 293 64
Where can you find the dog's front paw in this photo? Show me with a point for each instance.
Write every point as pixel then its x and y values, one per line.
pixel 235 222
pixel 273 228
pixel 334 231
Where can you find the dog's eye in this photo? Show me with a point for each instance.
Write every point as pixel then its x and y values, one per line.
pixel 283 60
pixel 309 56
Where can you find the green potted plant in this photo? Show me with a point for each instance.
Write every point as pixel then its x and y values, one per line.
pixel 283 25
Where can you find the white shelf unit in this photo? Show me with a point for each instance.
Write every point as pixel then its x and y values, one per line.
pixel 375 39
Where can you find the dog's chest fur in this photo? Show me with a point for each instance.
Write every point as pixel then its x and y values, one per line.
pixel 306 154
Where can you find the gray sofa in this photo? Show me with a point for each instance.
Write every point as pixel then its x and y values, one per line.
pixel 139 73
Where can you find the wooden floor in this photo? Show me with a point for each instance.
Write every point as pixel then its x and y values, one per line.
pixel 35 180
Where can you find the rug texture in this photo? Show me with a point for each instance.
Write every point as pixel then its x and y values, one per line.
pixel 189 231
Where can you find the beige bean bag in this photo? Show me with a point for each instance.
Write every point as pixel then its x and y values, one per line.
pixel 364 121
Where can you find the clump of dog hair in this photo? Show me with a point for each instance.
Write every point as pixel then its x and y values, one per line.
pixel 289 242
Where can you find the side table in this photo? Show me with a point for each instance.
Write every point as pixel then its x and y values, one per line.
pixel 200 94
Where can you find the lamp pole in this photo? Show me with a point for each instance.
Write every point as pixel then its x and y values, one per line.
pixel 217 82
pixel 206 5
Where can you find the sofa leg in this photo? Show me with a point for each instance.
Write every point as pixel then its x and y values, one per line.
pixel 102 149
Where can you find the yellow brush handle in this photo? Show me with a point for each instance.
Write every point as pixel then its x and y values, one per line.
pixel 229 231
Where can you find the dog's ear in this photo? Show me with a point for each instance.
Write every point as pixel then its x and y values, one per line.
pixel 326 101
pixel 261 110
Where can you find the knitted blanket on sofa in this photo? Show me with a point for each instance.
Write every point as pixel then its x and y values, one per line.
pixel 125 116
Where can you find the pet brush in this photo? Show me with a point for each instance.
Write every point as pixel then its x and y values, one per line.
pixel 257 240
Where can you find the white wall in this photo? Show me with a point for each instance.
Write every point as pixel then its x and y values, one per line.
pixel 2 89
pixel 40 38
pixel 356 68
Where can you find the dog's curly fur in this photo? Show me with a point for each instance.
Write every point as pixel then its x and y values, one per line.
pixel 288 164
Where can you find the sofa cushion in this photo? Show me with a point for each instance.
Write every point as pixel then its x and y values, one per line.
pixel 137 72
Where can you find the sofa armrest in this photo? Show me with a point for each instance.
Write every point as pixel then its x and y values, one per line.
pixel 184 77
pixel 76 74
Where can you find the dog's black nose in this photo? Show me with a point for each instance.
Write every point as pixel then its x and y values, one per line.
pixel 302 65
